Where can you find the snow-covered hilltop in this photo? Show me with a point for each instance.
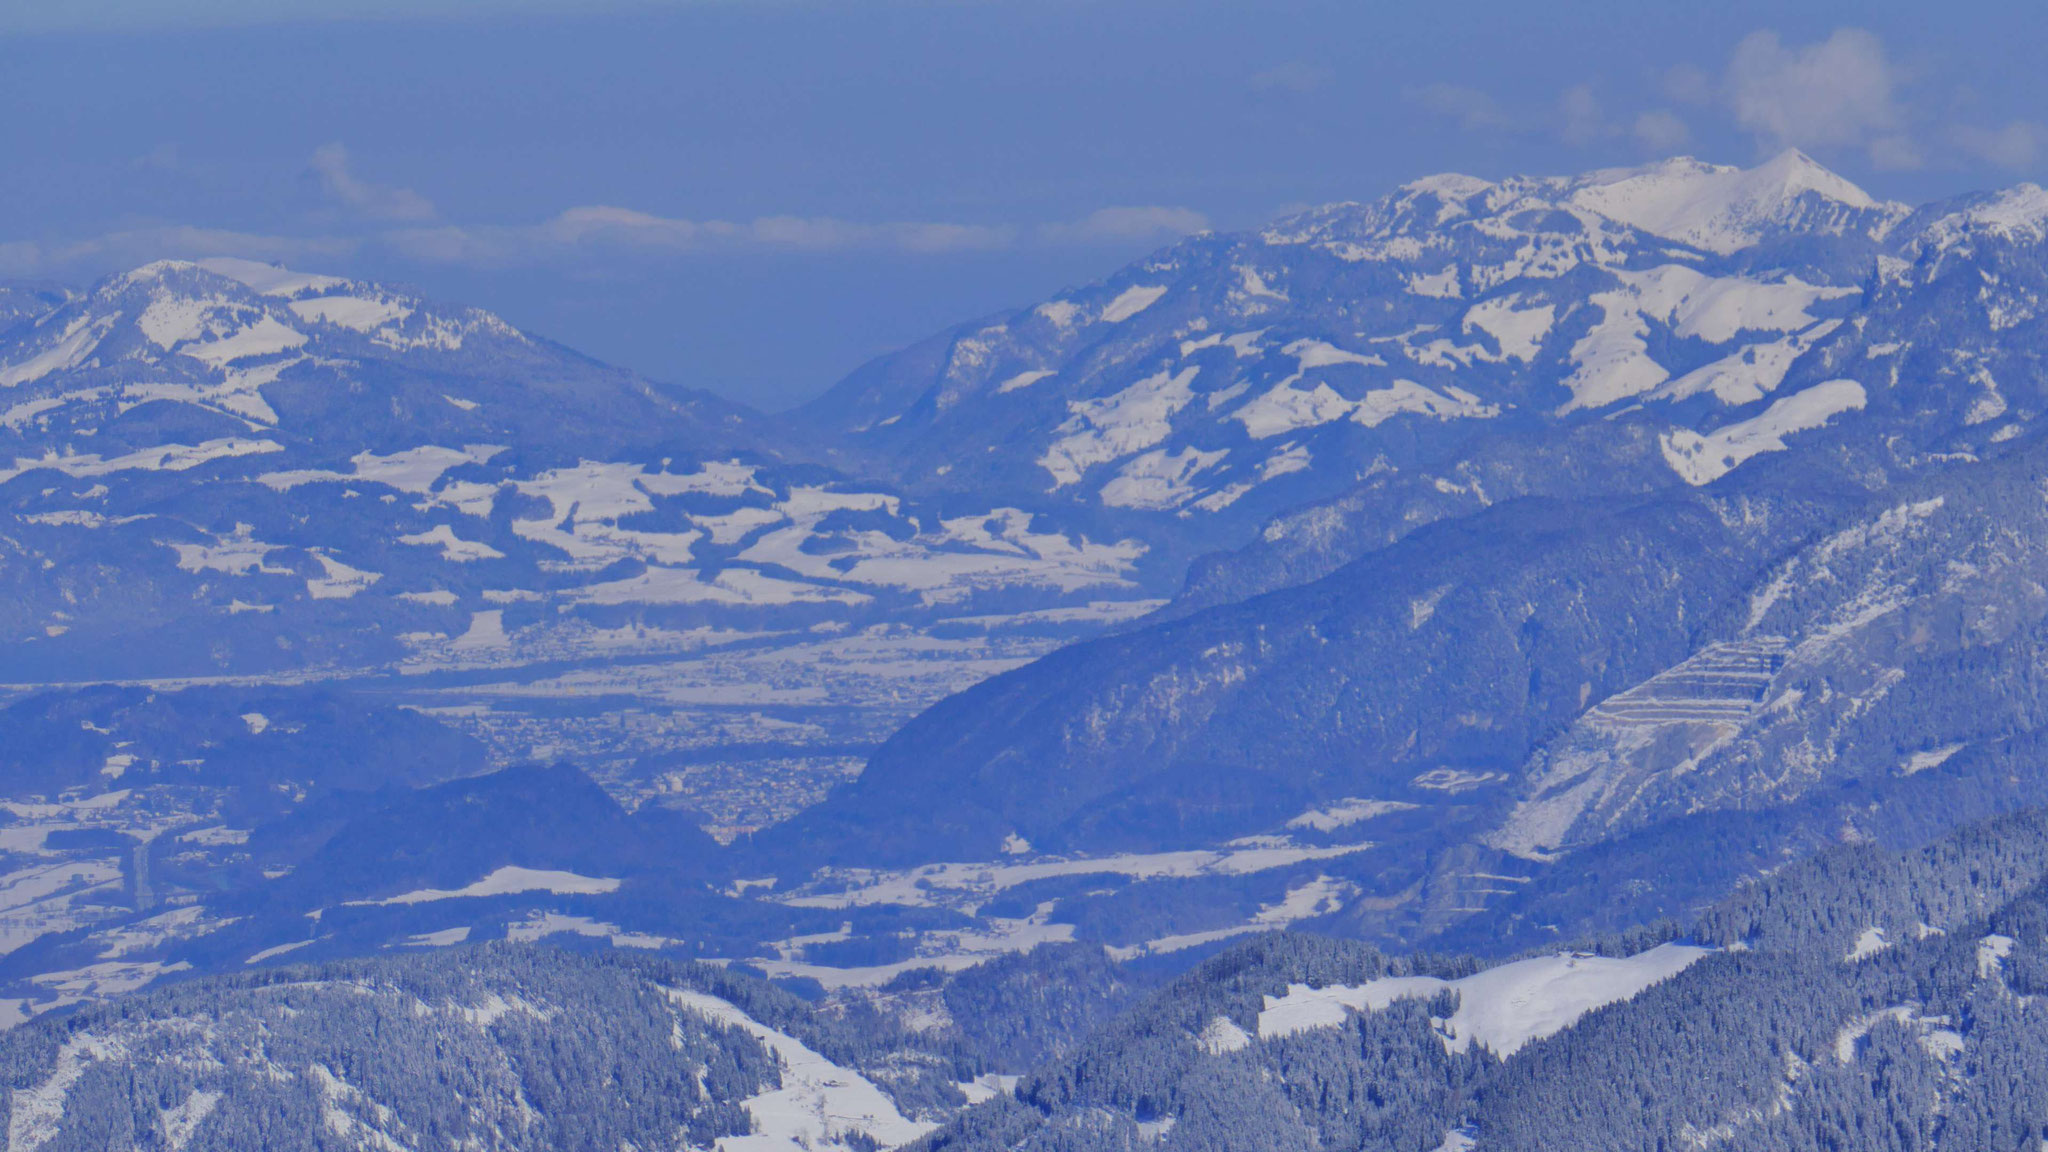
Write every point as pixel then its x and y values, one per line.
pixel 1723 210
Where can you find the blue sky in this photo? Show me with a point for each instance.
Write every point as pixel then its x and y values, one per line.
pixel 753 196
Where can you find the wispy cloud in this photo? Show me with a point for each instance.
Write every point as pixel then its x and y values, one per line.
pixel 1580 121
pixel 1845 93
pixel 133 246
pixel 1470 108
pixel 1660 131
pixel 1838 93
pixel 1126 225
pixel 595 233
pixel 1577 118
pixel 342 188
pixel 597 229
pixel 2016 145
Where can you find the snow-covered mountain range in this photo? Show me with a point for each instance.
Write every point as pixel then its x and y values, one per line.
pixel 233 450
pixel 1234 376
pixel 1517 536
pixel 1721 552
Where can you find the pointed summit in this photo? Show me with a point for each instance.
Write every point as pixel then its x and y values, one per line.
pixel 1723 209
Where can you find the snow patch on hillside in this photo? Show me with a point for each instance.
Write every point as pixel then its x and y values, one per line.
pixel 1322 896
pixel 67 350
pixel 507 881
pixel 453 548
pixel 1024 380
pixel 1223 1036
pixel 1111 427
pixel 1287 408
pixel 415 470
pixel 1501 1009
pixel 1160 480
pixel 1750 373
pixel 1869 943
pixel 969 882
pixel 358 313
pixel 1346 812
pixel 270 279
pixel 1130 302
pixel 238 553
pixel 337 580
pixel 1518 331
pixel 1703 458
pixel 820 1104
pixel 162 458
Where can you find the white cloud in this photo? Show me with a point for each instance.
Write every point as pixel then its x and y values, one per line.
pixel 597 229
pixel 1127 225
pixel 1838 93
pixel 1895 153
pixel 593 232
pixel 1474 111
pixel 1660 131
pixel 131 247
pixel 1578 120
pixel 605 229
pixel 2016 145
pixel 330 167
pixel 1689 84
pixel 1579 114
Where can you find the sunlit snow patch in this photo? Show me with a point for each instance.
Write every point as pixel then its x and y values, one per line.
pixel 1500 1009
pixel 933 883
pixel 453 548
pixel 1869 944
pixel 1322 896
pixel 1701 459
pixel 1347 811
pixel 1107 428
pixel 338 581
pixel 506 881
pixel 162 458
pixel 1024 380
pixel 820 1104
pixel 438 597
pixel 1223 1036
pixel 1518 331
pixel 1130 302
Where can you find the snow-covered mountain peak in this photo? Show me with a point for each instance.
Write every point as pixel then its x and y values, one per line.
pixel 240 346
pixel 2018 214
pixel 1715 207
pixel 271 279
pixel 1451 187
pixel 203 320
pixel 1723 209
